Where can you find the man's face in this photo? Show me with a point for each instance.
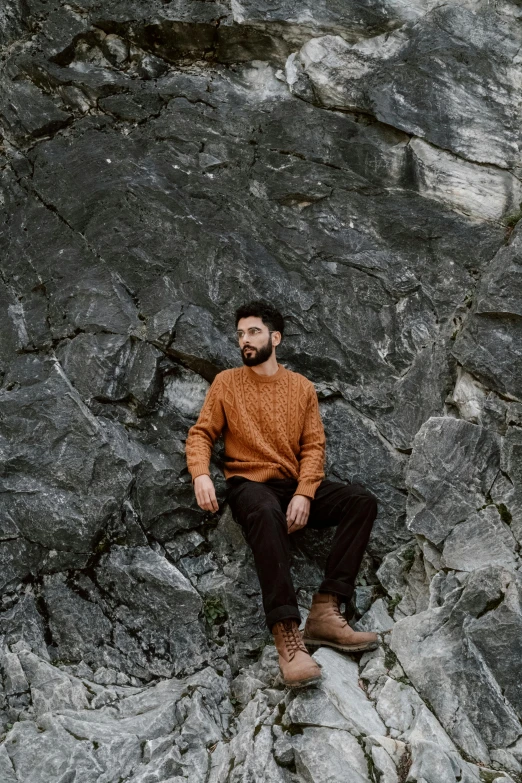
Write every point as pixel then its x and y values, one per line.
pixel 255 341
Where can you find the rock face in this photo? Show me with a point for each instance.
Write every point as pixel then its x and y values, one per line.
pixel 359 164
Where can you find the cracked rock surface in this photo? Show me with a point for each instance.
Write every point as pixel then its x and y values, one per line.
pixel 358 163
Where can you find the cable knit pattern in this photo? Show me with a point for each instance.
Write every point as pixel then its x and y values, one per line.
pixel 271 427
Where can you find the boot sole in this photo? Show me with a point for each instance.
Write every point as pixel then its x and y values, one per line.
pixel 342 647
pixel 304 683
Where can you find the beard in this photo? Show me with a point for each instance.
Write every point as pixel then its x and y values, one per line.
pixel 258 355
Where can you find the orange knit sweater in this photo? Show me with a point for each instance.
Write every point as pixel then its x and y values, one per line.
pixel 271 427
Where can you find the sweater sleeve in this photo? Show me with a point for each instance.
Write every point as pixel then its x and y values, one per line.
pixel 202 436
pixel 312 443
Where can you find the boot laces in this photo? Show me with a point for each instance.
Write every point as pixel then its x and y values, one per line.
pixel 339 614
pixel 293 638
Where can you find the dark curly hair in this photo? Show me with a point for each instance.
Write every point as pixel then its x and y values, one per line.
pixel 259 308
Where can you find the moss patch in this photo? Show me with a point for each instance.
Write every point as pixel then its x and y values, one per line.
pixel 214 611
pixel 511 220
pixel 505 514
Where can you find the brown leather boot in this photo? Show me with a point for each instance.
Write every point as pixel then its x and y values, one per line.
pixel 326 626
pixel 297 666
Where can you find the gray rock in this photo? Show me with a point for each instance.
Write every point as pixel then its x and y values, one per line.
pixel 387 756
pixel 249 754
pixel 500 651
pixel 396 78
pixel 495 321
pixel 22 624
pixel 26 111
pixel 432 766
pixel 451 470
pixel 244 686
pixel 141 602
pixel 475 404
pixel 363 599
pixel 419 393
pixel 79 627
pixel 458 682
pixel 474 347
pixel 94 301
pixel 184 544
pixel 375 619
pixel 507 760
pixel 111 368
pixel 52 690
pixel 340 683
pixel 444 177
pixel 77 484
pixel 6 767
pixel 153 599
pixel 406 574
pixel 321 754
pixel 374 670
pixel 137 732
pixel 398 704
pixel 314 707
pixel 507 490
pixel 13 22
pixel 432 752
pixel 33 752
pixel 499 289
pixel 378 468
pixel 15 680
pixel 482 540
pixel 184 392
pixel 284 752
pixel 308 18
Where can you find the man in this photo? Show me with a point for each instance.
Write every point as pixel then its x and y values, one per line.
pixel 274 456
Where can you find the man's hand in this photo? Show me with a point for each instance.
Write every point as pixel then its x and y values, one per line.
pixel 205 493
pixel 297 512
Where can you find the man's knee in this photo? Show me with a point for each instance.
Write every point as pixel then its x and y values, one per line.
pixel 364 499
pixel 267 516
pixel 371 502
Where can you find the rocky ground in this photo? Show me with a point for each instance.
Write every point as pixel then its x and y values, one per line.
pixel 359 164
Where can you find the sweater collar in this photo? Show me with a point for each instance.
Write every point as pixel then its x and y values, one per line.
pixel 254 376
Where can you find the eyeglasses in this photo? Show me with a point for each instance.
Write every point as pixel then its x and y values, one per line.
pixel 252 332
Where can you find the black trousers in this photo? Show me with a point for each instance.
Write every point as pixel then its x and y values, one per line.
pixel 260 509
